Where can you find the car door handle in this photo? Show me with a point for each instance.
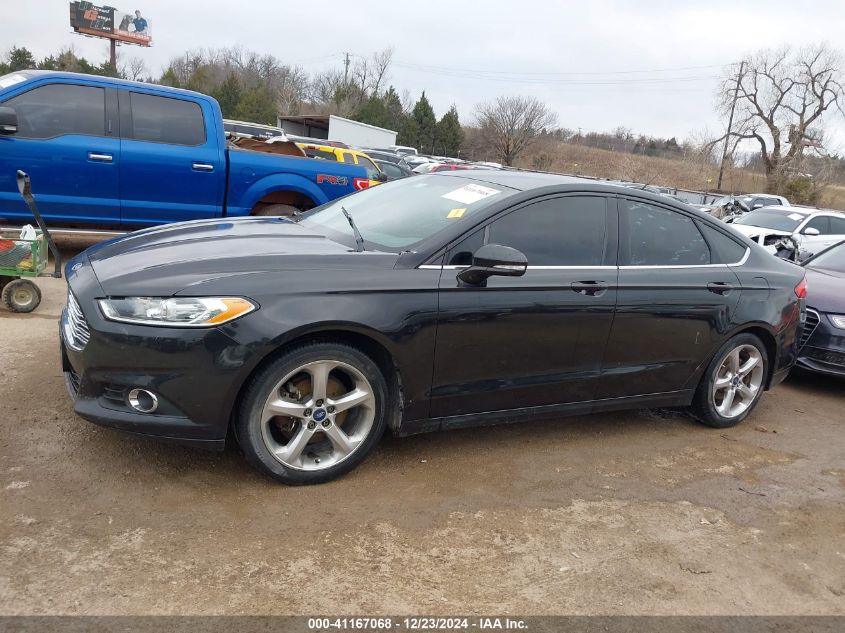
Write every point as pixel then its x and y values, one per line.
pixel 203 167
pixel 100 158
pixel 720 287
pixel 589 288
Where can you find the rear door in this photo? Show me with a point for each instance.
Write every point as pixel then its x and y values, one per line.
pixel 173 164
pixel 538 339
pixel 67 142
pixel 677 297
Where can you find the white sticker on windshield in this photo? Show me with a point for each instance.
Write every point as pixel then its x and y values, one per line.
pixel 796 216
pixel 470 193
pixel 11 80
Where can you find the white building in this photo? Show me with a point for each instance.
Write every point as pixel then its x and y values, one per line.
pixel 335 128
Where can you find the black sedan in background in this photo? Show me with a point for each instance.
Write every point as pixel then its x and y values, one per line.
pixel 435 302
pixel 823 337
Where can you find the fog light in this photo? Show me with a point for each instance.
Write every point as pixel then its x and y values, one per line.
pixel 142 400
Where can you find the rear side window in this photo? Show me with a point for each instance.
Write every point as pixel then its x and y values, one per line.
pixel 321 154
pixel 569 231
pixel 166 120
pixel 58 109
pixel 660 237
pixel 723 250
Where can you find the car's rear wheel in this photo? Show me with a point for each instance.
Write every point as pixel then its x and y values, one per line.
pixel 313 414
pixel 733 382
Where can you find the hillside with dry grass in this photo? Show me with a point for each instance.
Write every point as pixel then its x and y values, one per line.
pixel 688 173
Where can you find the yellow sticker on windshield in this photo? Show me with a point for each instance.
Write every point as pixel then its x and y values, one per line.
pixel 456 213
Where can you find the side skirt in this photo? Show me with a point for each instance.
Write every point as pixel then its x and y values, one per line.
pixel 508 416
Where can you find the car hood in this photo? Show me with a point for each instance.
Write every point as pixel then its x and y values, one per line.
pixel 753 231
pixel 826 290
pixel 169 259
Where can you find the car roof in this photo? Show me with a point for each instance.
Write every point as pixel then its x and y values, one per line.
pixel 527 180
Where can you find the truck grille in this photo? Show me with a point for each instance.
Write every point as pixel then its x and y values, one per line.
pixel 810 324
pixel 76 331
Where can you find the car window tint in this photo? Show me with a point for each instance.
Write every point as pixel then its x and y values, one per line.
pixel 391 170
pixel 660 237
pixel 58 109
pixel 837 226
pixel 567 231
pixel 724 250
pixel 461 253
pixel 321 154
pixel 166 120
pixel 821 223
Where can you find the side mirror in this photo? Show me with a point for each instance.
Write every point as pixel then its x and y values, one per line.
pixel 811 231
pixel 8 120
pixel 382 177
pixel 494 259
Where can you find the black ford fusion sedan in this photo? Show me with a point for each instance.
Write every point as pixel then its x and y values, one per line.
pixel 823 336
pixel 429 303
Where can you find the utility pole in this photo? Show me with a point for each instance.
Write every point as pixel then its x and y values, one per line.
pixel 113 55
pixel 346 68
pixel 730 126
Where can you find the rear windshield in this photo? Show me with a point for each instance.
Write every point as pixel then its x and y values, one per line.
pixel 772 219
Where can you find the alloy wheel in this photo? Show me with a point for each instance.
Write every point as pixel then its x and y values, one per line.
pixel 318 415
pixel 738 381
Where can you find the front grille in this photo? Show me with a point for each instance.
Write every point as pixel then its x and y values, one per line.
pixel 77 332
pixel 811 322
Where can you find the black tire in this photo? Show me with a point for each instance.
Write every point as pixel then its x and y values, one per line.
pixel 283 210
pixel 703 407
pixel 21 295
pixel 248 421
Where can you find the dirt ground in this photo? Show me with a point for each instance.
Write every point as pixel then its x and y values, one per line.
pixel 625 513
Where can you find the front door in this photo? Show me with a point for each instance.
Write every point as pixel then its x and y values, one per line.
pixel 67 143
pixel 831 231
pixel 537 339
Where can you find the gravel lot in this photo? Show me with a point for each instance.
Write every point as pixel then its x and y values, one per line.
pixel 643 512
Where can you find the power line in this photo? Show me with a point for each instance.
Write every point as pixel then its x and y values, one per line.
pixel 436 69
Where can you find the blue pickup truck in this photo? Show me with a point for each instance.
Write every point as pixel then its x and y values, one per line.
pixel 112 153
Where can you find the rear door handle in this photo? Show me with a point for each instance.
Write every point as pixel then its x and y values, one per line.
pixel 589 288
pixel 720 287
pixel 203 167
pixel 100 158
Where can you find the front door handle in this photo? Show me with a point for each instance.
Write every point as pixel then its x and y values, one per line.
pixel 203 167
pixel 100 158
pixel 720 287
pixel 589 288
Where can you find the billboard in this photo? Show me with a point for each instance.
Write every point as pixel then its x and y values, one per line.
pixel 111 23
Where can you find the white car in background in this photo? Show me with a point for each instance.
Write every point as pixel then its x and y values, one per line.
pixel 750 200
pixel 813 229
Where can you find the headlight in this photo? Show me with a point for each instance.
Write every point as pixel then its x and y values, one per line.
pixel 176 311
pixel 838 320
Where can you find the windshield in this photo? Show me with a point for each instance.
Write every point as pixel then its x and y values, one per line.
pixel 831 259
pixel 396 215
pixel 772 219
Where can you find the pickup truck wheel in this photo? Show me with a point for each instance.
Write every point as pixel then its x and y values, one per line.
pixel 312 414
pixel 277 210
pixel 21 295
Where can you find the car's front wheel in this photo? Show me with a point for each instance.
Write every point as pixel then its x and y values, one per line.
pixel 733 382
pixel 313 414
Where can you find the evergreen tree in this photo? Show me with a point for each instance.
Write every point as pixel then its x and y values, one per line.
pixel 169 78
pixel 257 106
pixel 229 95
pixel 450 136
pixel 426 124
pixel 20 59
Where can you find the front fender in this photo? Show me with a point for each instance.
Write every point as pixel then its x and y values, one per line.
pixel 269 184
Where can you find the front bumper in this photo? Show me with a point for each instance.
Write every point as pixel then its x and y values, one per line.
pixel 195 373
pixel 824 348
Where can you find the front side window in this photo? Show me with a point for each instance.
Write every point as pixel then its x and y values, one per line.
pixel 372 171
pixel 660 237
pixel 821 223
pixel 57 109
pixel 568 231
pixel 166 120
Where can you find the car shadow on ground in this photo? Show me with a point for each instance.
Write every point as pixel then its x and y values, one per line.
pixel 822 384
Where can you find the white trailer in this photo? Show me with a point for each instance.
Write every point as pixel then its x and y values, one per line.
pixel 335 128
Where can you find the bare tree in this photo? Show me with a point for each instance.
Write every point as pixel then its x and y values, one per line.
pixel 511 124
pixel 134 69
pixel 782 98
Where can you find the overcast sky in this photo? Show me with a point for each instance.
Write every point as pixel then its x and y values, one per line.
pixel 649 65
